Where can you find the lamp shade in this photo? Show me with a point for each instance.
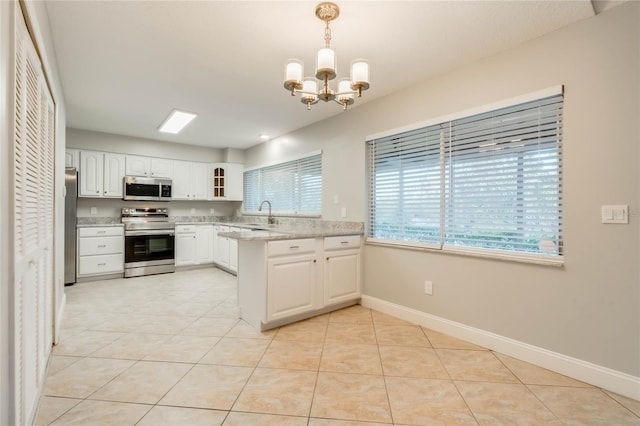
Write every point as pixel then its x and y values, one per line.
pixel 310 84
pixel 360 71
pixel 326 64
pixel 294 70
pixel 344 89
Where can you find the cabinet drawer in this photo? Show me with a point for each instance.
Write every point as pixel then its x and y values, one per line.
pixel 101 231
pixel 185 229
pixel 91 265
pixel 342 242
pixel 289 247
pixel 100 245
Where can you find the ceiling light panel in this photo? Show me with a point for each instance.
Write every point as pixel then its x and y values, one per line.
pixel 176 121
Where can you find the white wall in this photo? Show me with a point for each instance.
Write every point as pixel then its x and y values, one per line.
pixel 108 142
pixel 590 309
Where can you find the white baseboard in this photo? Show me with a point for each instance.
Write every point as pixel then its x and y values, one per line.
pixel 603 377
pixel 58 319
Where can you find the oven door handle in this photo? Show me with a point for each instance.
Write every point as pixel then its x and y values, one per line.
pixel 147 232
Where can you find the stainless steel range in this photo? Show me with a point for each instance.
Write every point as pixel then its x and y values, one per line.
pixel 149 242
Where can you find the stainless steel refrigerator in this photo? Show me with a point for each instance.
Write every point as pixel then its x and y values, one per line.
pixel 70 201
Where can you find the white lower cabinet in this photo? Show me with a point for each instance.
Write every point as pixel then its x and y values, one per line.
pixel 291 278
pixel 282 281
pixel 194 244
pixel 341 268
pixel 226 249
pixel 100 250
pixel 204 244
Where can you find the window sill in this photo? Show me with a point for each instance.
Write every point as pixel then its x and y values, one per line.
pixel 544 260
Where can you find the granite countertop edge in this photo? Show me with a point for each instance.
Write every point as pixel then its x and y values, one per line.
pixel 268 235
pixel 98 225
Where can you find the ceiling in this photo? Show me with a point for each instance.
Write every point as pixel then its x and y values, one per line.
pixel 125 65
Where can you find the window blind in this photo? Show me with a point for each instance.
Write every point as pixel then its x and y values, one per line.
pixel 490 181
pixel 405 199
pixel 292 187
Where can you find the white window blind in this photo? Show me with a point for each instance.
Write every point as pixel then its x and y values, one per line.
pixel 293 187
pixel 491 181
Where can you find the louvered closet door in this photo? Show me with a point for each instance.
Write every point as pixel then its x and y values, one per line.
pixel 33 224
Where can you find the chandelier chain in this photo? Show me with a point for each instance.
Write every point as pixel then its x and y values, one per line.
pixel 327 35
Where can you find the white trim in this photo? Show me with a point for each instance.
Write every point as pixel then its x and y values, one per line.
pixel 516 100
pixel 535 259
pixel 285 160
pixel 58 321
pixel 604 377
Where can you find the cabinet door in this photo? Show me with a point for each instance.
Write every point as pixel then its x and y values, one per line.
pixel 138 166
pixel 290 286
pixel 234 183
pixel 221 251
pixel 72 158
pixel 91 174
pixel 341 276
pixel 185 248
pixel 180 187
pixel 198 181
pixel 161 167
pixel 204 244
pixel 219 181
pixel 114 168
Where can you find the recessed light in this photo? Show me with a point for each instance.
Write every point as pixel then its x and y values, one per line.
pixel 264 137
pixel 176 121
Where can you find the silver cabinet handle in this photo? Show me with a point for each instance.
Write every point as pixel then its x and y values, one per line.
pixel 102 245
pixel 294 247
pixel 101 232
pixel 102 264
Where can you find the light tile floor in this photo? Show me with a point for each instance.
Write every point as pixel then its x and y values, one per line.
pixel 170 350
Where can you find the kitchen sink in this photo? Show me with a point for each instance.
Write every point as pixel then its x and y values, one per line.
pixel 259 226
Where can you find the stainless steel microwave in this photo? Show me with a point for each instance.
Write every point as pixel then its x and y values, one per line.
pixel 146 189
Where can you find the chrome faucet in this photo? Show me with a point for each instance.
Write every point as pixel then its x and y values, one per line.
pixel 271 220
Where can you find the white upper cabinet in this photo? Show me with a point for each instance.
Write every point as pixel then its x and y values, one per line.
pixel 72 158
pixel 227 181
pixel 114 166
pixel 161 168
pixel 190 181
pixel 101 174
pixel 91 174
pixel 149 167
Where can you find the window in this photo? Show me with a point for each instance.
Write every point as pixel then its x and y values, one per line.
pixel 487 183
pixel 293 187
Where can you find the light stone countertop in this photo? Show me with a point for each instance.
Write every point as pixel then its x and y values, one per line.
pixel 255 228
pixel 286 233
pixel 98 225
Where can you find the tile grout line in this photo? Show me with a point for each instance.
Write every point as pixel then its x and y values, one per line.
pixel 384 375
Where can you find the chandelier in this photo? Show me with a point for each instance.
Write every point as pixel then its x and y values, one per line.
pixel 326 70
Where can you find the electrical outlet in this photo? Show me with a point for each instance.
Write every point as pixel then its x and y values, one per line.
pixel 428 287
pixel 193 210
pixel 211 210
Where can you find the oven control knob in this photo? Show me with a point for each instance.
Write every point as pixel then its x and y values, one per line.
pixel 125 211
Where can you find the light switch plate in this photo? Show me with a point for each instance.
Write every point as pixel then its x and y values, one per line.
pixel 615 214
